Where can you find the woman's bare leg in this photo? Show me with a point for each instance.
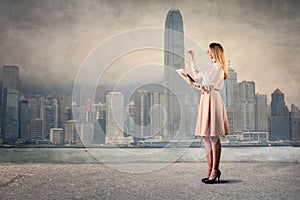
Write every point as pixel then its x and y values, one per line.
pixel 216 154
pixel 209 155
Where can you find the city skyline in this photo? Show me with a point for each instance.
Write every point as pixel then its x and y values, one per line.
pixel 50 41
pixel 48 119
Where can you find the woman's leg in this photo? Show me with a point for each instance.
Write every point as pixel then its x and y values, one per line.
pixel 209 154
pixel 216 154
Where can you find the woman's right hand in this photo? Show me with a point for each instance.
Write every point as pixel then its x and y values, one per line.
pixel 192 54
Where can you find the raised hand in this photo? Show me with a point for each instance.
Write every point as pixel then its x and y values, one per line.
pixel 192 54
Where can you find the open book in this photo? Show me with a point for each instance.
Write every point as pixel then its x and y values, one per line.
pixel 189 79
pixel 185 76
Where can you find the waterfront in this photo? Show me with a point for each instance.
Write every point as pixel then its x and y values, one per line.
pixel 150 155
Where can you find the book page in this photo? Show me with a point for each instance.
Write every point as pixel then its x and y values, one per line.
pixel 185 75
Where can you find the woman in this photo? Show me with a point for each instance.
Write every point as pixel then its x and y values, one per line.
pixel 212 118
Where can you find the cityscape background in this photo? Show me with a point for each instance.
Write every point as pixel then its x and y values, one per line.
pixel 35 112
pixel 50 119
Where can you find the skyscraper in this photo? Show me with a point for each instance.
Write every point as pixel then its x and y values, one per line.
pixel 10 99
pixel 39 106
pixel 11 77
pixel 63 105
pixel 114 118
pixel 86 132
pixel 71 134
pixel 244 106
pixel 173 60
pixel 156 114
pixel 50 115
pixel 100 94
pixel 142 105
pixel 100 124
pixel 228 97
pixel 37 129
pixel 261 113
pixel 148 116
pixel 229 86
pixel 280 126
pixel 89 110
pixel 296 122
pixel 25 121
pixel 278 107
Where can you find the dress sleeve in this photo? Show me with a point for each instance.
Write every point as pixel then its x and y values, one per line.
pixel 196 73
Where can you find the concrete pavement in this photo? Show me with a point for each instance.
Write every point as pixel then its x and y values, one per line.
pixel 239 180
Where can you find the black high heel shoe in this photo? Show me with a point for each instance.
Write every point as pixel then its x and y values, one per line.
pixel 208 181
pixel 204 179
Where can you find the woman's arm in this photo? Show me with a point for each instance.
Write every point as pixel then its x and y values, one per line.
pixel 196 73
pixel 194 84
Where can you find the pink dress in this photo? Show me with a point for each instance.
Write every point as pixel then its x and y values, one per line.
pixel 212 116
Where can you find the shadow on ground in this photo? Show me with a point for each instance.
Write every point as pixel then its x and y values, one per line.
pixel 229 181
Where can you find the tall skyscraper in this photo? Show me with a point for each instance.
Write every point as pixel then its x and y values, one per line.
pixel 10 108
pixel 228 97
pixel 278 106
pixel 39 106
pixel 100 124
pixel 67 115
pixel 148 115
pixel 63 105
pixel 156 114
pixel 50 115
pixel 229 86
pixel 280 122
pixel 130 124
pixel 142 103
pixel 32 104
pixel 90 115
pixel 11 77
pixel 114 118
pixel 296 122
pixel 173 60
pixel 100 94
pixel 25 121
pixel 261 113
pixel 244 106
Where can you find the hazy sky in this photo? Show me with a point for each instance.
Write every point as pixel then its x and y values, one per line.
pixel 49 40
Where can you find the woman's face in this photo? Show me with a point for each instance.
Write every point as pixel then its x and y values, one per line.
pixel 210 55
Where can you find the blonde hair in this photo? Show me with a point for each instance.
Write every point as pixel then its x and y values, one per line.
pixel 218 52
